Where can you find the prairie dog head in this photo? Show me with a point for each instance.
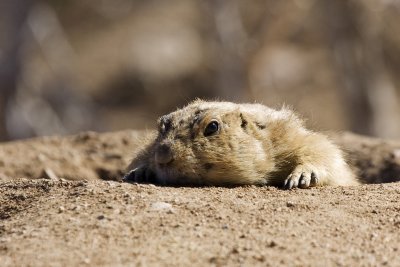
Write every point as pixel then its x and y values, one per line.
pixel 211 143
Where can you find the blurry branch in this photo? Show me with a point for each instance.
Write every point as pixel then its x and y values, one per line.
pixel 35 113
pixel 49 35
pixel 370 95
pixel 12 17
pixel 232 50
pixel 382 94
pixel 53 106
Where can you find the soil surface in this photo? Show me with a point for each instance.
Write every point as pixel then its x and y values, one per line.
pixel 56 209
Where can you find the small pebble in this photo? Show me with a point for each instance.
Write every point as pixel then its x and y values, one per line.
pixel 161 206
pixel 49 174
pixel 289 204
pixel 396 153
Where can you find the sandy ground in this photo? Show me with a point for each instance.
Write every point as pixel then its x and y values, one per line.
pixel 75 222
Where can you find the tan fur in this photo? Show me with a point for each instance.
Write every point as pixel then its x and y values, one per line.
pixel 254 145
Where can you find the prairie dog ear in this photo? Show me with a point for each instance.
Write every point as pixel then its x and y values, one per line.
pixel 244 121
pixel 249 119
pixel 239 118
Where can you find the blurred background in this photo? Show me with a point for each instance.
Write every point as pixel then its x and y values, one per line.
pixel 69 66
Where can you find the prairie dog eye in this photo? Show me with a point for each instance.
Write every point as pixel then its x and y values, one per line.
pixel 212 128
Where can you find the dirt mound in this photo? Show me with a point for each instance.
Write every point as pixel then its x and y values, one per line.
pixel 85 156
pixel 93 222
pixel 72 223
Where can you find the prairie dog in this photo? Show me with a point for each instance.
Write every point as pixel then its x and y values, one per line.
pixel 228 144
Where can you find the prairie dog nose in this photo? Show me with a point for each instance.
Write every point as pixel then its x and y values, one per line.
pixel 164 153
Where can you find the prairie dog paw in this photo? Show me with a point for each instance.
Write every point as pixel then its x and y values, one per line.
pixel 301 177
pixel 139 175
